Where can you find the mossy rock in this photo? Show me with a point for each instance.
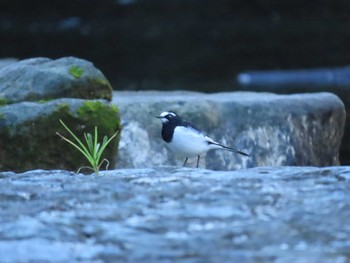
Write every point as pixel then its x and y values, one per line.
pixel 28 137
pixel 39 79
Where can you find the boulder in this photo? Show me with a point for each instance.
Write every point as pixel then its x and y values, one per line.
pixel 35 94
pixel 264 214
pixel 335 80
pixel 28 137
pixel 276 130
pixel 38 79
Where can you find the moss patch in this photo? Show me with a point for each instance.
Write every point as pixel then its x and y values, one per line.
pixel 99 112
pixel 99 81
pixel 44 100
pixel 76 71
pixel 3 102
pixel 100 88
pixel 93 88
pixel 34 144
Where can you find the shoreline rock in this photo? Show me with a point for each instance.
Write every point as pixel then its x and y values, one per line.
pixel 335 80
pixel 277 130
pixel 35 94
pixel 28 133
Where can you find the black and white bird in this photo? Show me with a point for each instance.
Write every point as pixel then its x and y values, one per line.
pixel 184 139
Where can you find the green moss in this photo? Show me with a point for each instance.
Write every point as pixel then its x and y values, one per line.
pixel 102 114
pixel 94 88
pixel 76 71
pixel 3 101
pixel 43 100
pixel 101 88
pixel 63 108
pixel 34 144
pixel 99 81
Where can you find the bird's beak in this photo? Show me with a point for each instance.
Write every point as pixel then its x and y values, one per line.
pixel 159 117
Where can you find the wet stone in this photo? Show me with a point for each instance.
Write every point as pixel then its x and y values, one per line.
pixel 171 214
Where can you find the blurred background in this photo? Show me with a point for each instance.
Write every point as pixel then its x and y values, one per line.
pixel 179 44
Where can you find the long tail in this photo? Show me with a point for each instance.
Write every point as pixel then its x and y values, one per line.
pixel 227 148
pixel 233 150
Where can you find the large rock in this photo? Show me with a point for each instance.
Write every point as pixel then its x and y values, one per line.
pixel 287 214
pixel 36 93
pixel 46 79
pixel 336 80
pixel 28 137
pixel 301 129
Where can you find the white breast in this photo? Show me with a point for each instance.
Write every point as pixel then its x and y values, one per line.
pixel 188 142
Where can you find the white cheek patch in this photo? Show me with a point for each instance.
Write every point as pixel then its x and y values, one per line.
pixel 165 113
pixel 164 120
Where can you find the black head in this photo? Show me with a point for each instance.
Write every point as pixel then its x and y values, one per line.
pixel 170 120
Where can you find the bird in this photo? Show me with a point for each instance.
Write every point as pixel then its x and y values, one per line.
pixel 184 139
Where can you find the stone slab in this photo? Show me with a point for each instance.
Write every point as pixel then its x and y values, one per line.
pixel 170 214
pixel 276 130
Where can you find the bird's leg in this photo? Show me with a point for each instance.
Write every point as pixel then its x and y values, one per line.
pixel 185 161
pixel 198 161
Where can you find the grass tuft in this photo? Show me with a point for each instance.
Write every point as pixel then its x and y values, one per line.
pixel 92 150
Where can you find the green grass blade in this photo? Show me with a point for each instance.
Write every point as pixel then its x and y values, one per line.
pixel 86 154
pixel 96 138
pixel 80 146
pixel 97 147
pixel 91 146
pixel 75 137
pixel 88 139
pixel 105 143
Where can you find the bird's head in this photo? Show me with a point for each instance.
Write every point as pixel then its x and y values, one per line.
pixel 168 117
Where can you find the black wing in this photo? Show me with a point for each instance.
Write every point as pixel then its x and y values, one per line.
pixel 192 127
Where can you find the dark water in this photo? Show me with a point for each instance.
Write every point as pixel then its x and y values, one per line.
pixel 179 44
